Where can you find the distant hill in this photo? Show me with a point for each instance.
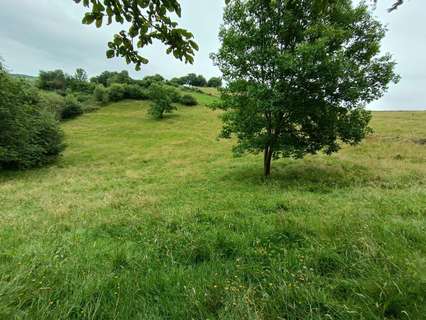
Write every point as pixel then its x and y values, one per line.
pixel 23 76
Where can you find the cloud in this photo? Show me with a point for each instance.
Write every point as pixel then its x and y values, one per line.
pixel 48 34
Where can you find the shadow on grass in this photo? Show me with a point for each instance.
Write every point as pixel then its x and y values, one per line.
pixel 307 175
pixel 7 175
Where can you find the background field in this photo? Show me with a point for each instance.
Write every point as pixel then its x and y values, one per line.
pixel 143 219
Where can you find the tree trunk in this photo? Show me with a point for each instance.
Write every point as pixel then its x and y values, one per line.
pixel 267 161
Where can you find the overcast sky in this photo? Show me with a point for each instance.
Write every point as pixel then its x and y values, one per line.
pixel 48 34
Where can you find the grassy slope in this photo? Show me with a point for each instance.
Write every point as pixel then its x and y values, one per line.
pixel 155 220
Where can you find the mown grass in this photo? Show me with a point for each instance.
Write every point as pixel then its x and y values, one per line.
pixel 145 219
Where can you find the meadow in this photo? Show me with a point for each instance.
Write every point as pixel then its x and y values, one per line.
pixel 146 219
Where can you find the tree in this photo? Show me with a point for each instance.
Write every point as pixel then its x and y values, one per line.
pixel 214 82
pixel 299 76
pixel 150 20
pixel 80 75
pixel 161 97
pixel 52 80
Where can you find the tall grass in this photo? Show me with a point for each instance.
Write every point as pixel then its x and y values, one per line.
pixel 156 220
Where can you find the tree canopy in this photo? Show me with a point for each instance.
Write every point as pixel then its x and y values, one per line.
pixel 151 20
pixel 298 76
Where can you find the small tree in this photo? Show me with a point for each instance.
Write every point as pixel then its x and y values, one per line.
pixel 80 75
pixel 214 82
pixel 161 97
pixel 72 108
pixel 101 94
pixel 299 75
pixel 52 80
pixel 116 92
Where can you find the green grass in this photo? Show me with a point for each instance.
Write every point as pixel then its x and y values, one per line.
pixel 145 219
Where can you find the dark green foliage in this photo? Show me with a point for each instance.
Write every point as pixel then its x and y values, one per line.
pixel 103 78
pixel 29 136
pixel 148 80
pixel 79 82
pixel 51 102
pixel 136 92
pixel 52 80
pixel 63 83
pixel 72 108
pixel 191 79
pixel 188 100
pixel 214 82
pixel 116 92
pixel 299 87
pixel 161 97
pixel 101 94
pixel 174 94
pixel 148 20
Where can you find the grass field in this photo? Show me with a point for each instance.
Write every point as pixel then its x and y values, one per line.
pixel 143 219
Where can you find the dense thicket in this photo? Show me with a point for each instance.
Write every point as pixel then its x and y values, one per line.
pixel 29 135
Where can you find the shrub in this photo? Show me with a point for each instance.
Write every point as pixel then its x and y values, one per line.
pixel 188 100
pixel 134 91
pixel 51 102
pixel 161 101
pixel 101 94
pixel 215 82
pixel 116 92
pixel 72 108
pixel 82 97
pixel 52 80
pixel 174 94
pixel 30 136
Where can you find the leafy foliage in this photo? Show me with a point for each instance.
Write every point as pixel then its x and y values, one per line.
pixel 101 94
pixel 61 82
pixel 136 92
pixel 298 76
pixel 188 100
pixel 116 92
pixel 52 80
pixel 29 135
pixel 72 108
pixel 191 79
pixel 148 20
pixel 214 82
pixel 161 97
pixel 51 102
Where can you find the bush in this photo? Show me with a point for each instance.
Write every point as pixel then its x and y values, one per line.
pixel 30 136
pixel 161 100
pixel 215 82
pixel 101 94
pixel 134 91
pixel 83 97
pixel 52 102
pixel 174 94
pixel 72 108
pixel 188 100
pixel 116 92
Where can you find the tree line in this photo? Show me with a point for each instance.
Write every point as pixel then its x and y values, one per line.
pixel 30 111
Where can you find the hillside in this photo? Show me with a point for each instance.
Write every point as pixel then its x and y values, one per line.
pixel 145 219
pixel 24 77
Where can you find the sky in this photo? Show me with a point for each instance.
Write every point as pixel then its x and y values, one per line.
pixel 47 34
